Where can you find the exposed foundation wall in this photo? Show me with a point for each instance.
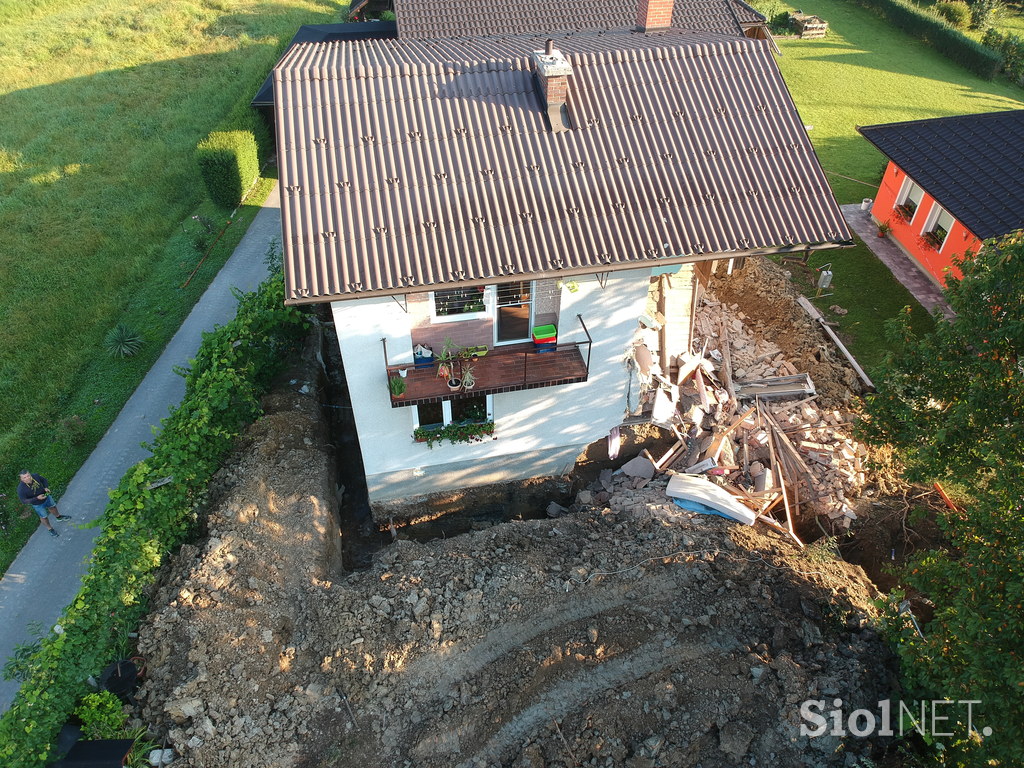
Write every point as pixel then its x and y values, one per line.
pixel 539 431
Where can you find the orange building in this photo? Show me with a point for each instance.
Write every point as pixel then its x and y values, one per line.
pixel 951 183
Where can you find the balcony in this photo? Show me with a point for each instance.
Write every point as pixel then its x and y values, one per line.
pixel 503 369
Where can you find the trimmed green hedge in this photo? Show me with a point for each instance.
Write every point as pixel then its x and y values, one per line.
pixel 229 165
pixel 954 45
pixel 141 525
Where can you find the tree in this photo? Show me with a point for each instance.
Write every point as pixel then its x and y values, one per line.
pixel 952 403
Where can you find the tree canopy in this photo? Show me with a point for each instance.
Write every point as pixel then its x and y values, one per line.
pixel 952 401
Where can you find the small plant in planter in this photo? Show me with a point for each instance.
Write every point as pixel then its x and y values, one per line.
pixel 884 228
pixel 468 377
pixel 397 386
pixel 454 433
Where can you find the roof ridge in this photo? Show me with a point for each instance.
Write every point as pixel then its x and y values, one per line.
pixel 322 56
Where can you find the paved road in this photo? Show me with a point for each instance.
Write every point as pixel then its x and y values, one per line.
pixel 47 573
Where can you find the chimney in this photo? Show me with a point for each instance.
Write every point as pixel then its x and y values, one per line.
pixel 653 15
pixel 553 71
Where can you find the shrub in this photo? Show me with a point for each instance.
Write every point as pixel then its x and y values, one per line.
pixel 122 341
pixel 101 716
pixel 951 43
pixel 229 164
pixel 1011 48
pixel 985 13
pixel 387 15
pixel 956 12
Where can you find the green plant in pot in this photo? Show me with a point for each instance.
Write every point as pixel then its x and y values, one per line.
pixel 468 377
pixel 397 387
pixel 449 363
pixel 884 228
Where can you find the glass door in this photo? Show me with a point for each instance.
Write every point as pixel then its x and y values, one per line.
pixel 513 312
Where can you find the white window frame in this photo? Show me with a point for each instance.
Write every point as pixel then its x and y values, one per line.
pixel 901 198
pixel 446 412
pixel 932 221
pixel 488 311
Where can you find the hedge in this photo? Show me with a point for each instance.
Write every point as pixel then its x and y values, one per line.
pixel 951 43
pixel 142 524
pixel 229 165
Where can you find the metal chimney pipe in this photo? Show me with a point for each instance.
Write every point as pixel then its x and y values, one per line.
pixel 549 49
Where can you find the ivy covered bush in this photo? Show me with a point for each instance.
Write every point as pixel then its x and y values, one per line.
pixel 229 165
pixel 142 524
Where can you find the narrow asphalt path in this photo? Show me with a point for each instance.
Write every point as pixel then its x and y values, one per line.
pixel 48 572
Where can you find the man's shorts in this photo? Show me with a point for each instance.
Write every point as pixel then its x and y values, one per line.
pixel 43 510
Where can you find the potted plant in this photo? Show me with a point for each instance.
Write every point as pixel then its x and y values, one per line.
pixel 449 364
pixel 884 228
pixel 468 377
pixel 397 386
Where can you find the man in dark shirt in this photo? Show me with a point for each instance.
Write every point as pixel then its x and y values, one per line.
pixel 34 490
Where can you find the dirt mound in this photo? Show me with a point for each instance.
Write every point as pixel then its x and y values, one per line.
pixel 629 634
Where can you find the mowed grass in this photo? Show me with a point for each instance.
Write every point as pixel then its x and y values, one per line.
pixel 103 104
pixel 866 72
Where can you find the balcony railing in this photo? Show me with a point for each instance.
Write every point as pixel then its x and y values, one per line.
pixel 503 369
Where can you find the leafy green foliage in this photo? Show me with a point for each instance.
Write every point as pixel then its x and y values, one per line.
pixel 951 43
pixel 229 165
pixel 141 524
pixel 101 716
pixel 122 341
pixel 454 433
pixel 956 12
pixel 952 402
pixel 18 664
pixel 985 13
pixel 387 15
pixel 1011 48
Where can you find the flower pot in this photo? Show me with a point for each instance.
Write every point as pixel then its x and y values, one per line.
pixel 881 233
pixel 398 397
pixel 403 372
pixel 468 387
pixel 865 203
pixel 454 384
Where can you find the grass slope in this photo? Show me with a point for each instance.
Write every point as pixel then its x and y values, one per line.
pixel 865 72
pixel 103 105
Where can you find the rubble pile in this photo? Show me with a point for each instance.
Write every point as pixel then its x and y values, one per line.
pixel 746 417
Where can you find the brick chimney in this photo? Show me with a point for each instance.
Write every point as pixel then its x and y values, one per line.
pixel 652 15
pixel 553 71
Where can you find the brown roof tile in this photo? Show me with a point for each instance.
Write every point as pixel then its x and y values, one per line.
pixel 420 163
pixel 483 18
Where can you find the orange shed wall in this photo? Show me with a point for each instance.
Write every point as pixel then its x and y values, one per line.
pixel 935 262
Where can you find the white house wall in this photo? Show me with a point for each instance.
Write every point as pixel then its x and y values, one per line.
pixel 540 431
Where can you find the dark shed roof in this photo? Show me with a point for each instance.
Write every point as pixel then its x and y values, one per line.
pixel 973 165
pixel 413 164
pixel 326 33
pixel 482 18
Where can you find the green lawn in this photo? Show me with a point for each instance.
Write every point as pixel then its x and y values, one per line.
pixel 103 104
pixel 865 73
pixel 864 286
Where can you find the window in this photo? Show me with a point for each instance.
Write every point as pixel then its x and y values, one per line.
pixel 937 227
pixel 514 312
pixel 909 199
pixel 465 411
pixel 469 303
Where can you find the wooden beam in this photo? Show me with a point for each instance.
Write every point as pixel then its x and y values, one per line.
pixel 812 310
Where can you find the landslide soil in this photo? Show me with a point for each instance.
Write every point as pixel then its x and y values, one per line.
pixel 630 633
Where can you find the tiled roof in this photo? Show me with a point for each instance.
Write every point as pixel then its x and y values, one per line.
pixel 481 18
pixel 419 163
pixel 973 165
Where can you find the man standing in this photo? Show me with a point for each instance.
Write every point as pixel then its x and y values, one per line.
pixel 34 490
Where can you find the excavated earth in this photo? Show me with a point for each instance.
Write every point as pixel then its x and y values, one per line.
pixel 628 633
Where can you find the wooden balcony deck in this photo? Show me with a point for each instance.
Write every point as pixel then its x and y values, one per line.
pixel 504 369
